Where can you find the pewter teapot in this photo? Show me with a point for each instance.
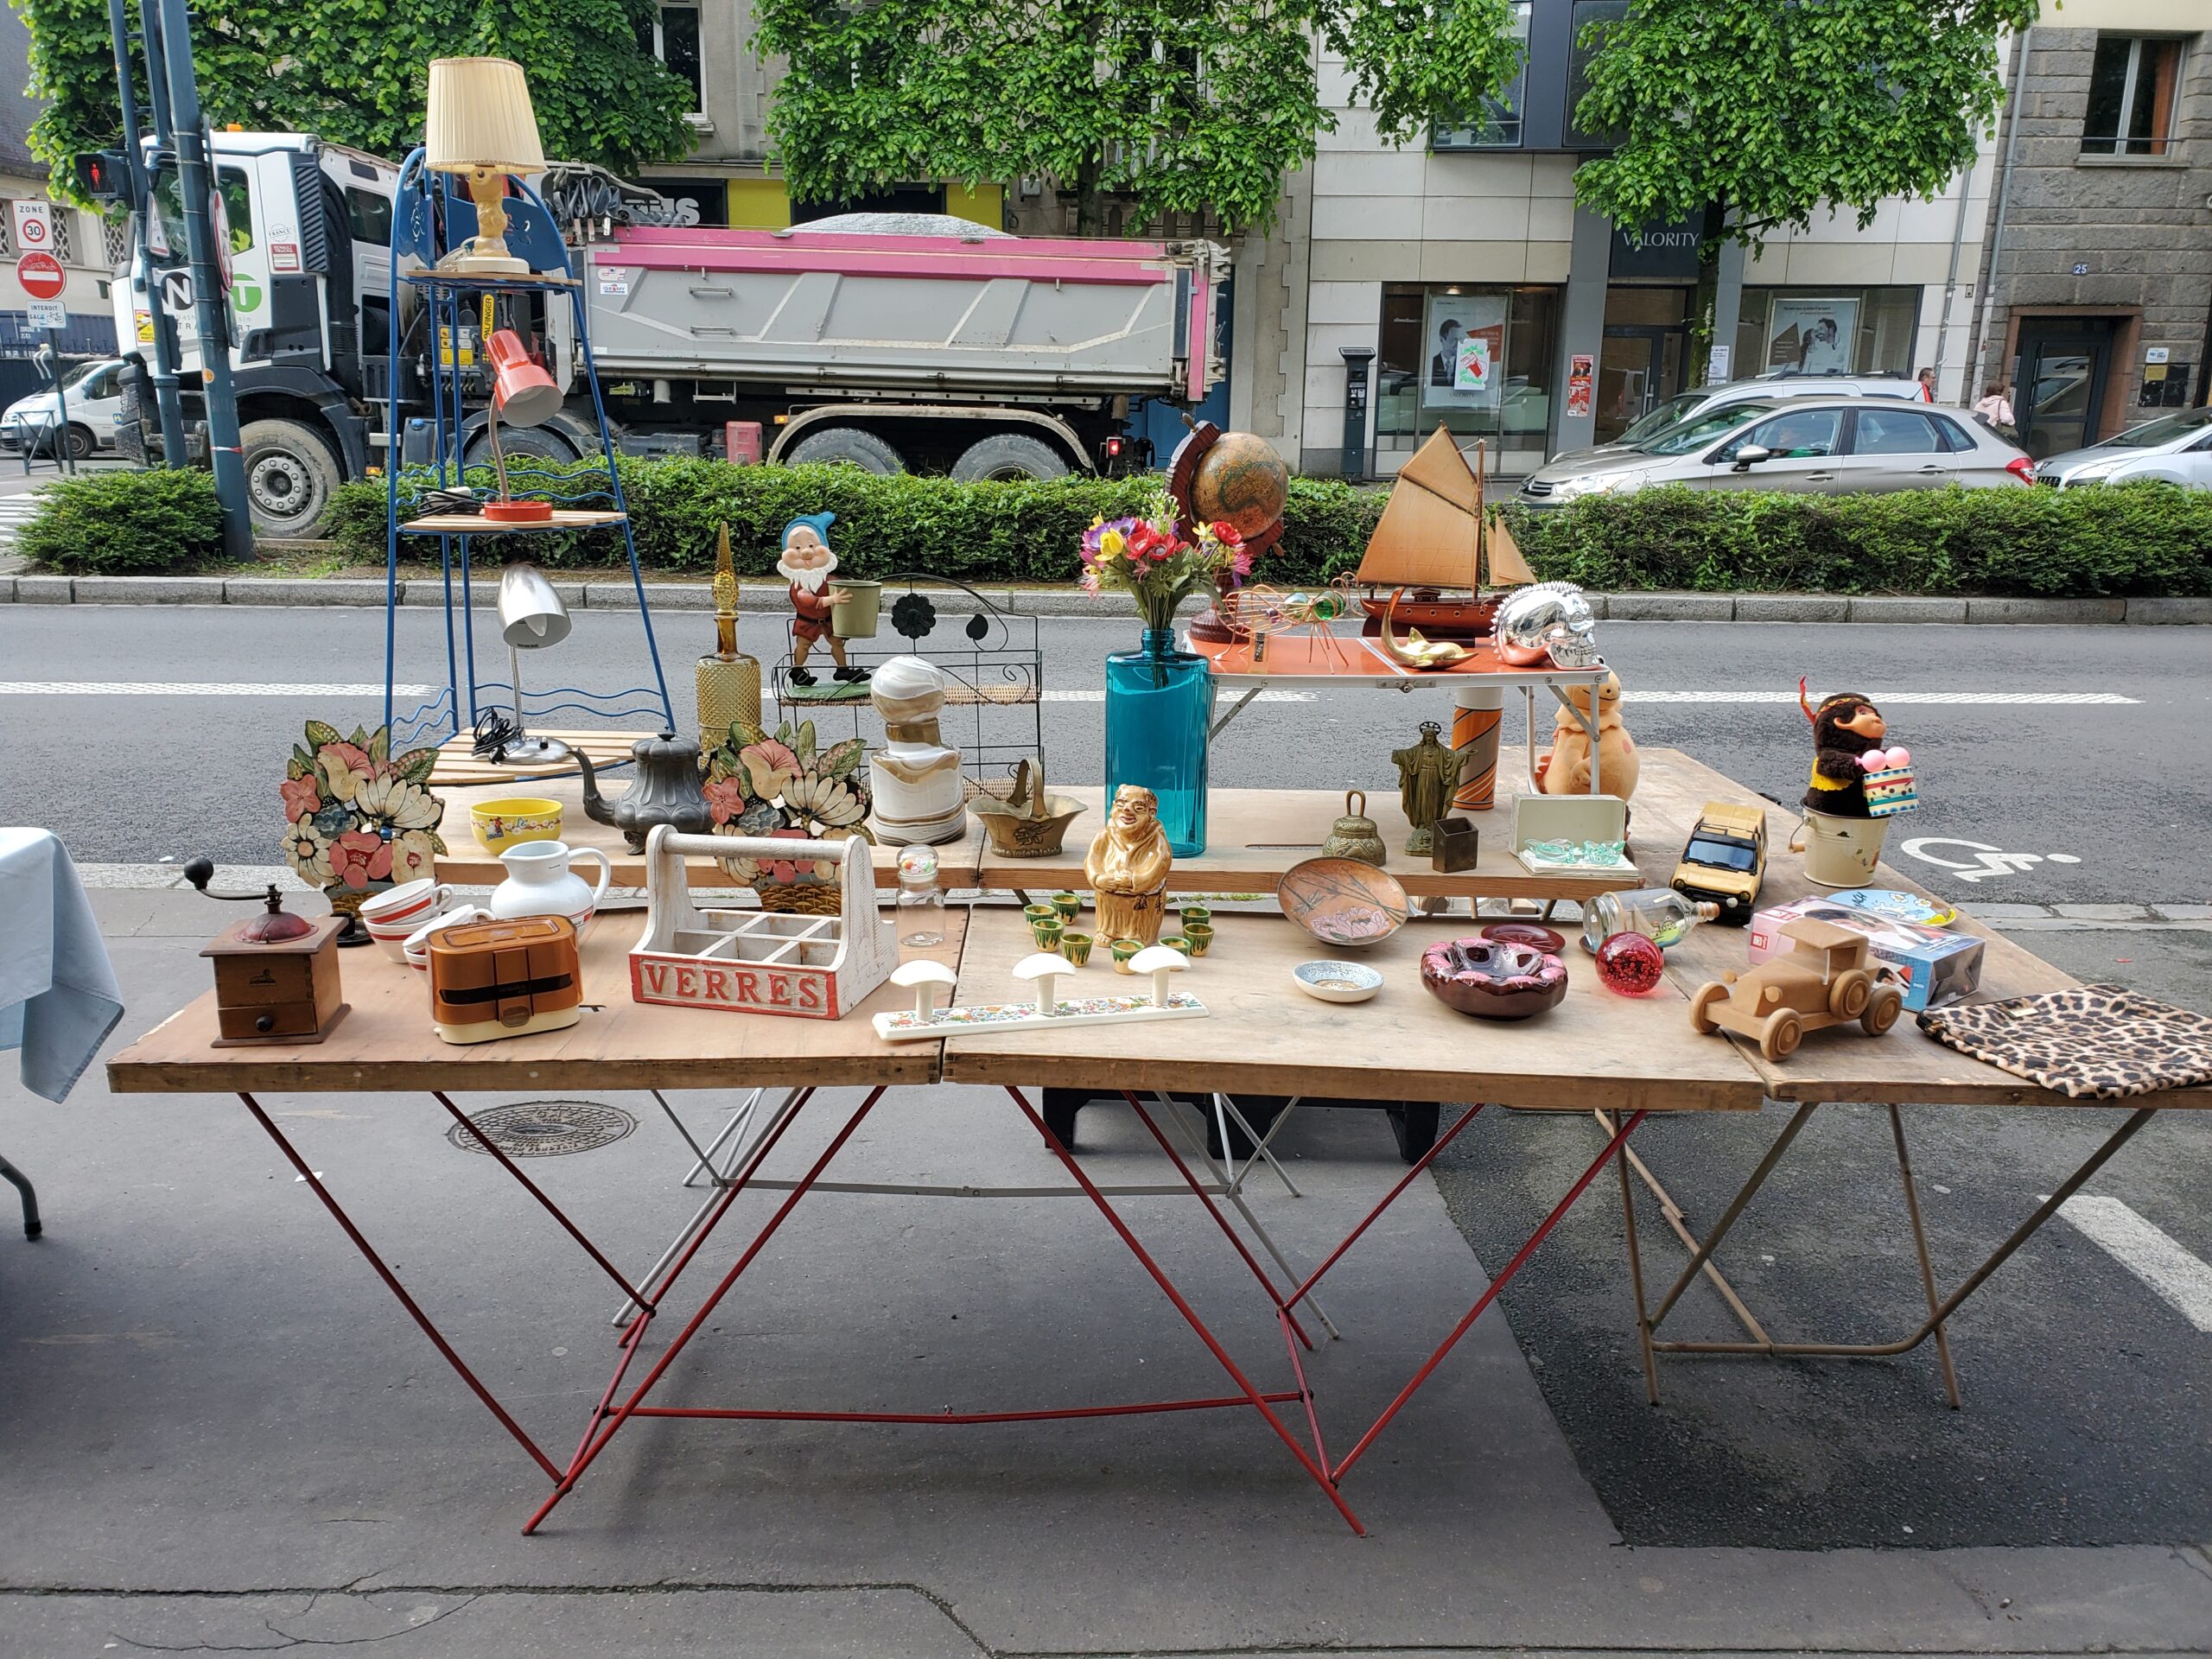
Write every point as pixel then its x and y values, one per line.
pixel 666 790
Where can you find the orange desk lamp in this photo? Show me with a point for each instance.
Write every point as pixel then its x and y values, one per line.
pixel 523 394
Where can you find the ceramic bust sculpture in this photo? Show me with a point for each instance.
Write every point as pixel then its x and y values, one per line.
pixel 917 786
pixel 1127 865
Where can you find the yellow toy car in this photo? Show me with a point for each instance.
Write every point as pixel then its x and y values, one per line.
pixel 1724 860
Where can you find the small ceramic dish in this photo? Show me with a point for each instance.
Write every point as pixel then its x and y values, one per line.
pixel 1337 982
pixel 1343 902
pixel 1528 933
pixel 508 822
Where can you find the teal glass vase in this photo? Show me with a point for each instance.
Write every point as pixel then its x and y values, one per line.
pixel 1159 704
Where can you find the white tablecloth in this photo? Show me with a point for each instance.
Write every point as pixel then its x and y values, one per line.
pixel 58 995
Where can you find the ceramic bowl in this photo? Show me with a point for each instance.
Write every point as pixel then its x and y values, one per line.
pixel 1528 933
pixel 1337 982
pixel 390 916
pixel 1343 902
pixel 417 949
pixel 509 822
pixel 1493 980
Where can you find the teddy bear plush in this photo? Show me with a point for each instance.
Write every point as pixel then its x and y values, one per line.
pixel 1566 769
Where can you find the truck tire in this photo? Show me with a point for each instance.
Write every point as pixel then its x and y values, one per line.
pixel 1005 455
pixel 539 443
pixel 290 476
pixel 849 446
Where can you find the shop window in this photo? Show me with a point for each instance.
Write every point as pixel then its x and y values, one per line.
pixel 1496 124
pixel 1816 331
pixel 1477 359
pixel 2132 79
pixel 1602 14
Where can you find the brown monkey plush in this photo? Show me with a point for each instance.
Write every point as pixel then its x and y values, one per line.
pixel 1845 726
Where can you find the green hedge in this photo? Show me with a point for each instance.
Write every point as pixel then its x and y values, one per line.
pixel 978 532
pixel 117 523
pixel 2138 538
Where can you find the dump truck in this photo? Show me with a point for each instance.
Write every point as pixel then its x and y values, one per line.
pixel 891 343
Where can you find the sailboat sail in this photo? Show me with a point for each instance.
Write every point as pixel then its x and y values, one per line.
pixel 1428 535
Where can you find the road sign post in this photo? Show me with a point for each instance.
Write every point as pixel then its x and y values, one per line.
pixel 43 279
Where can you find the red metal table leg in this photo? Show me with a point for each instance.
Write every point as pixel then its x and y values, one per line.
pixel 1489 1295
pixel 391 1283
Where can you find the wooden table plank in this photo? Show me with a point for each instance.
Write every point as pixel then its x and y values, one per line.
pixel 1902 1068
pixel 385 1041
pixel 1265 1036
pixel 1253 835
pixel 475 523
pixel 459 768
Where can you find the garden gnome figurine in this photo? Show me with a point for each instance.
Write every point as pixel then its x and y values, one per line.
pixel 919 798
pixel 1127 865
pixel 1427 773
pixel 807 563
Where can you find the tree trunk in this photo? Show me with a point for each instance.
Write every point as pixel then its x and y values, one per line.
pixel 1699 355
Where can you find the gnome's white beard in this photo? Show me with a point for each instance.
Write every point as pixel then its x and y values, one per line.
pixel 813 580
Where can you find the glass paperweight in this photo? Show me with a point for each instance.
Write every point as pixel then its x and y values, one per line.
pixel 921 903
pixel 1630 964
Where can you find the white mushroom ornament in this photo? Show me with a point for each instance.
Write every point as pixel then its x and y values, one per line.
pixel 923 977
pixel 1158 960
pixel 1044 967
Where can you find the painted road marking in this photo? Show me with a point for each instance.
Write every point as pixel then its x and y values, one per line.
pixel 1917 699
pixel 1986 862
pixel 199 689
pixel 2175 1276
pixel 1076 694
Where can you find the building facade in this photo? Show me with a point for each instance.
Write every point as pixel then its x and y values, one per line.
pixel 2098 283
pixel 88 246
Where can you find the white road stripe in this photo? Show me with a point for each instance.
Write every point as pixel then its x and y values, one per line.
pixel 1060 694
pixel 1057 694
pixel 2175 1276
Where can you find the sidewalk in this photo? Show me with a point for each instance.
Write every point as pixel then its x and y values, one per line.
pixel 689 592
pixel 218 1431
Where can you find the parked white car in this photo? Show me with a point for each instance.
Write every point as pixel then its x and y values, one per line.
pixel 93 392
pixel 2176 448
pixel 1765 389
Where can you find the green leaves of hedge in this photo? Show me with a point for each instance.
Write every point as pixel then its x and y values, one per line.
pixel 116 523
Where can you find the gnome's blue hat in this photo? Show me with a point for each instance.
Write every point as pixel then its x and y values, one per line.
pixel 819 523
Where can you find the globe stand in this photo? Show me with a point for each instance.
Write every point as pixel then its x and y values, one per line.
pixel 1210 626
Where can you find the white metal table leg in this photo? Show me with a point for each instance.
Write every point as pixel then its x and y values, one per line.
pixel 1224 1102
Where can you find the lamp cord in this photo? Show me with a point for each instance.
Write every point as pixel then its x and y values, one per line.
pixel 493 731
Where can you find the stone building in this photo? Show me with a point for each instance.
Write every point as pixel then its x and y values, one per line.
pixel 2097 275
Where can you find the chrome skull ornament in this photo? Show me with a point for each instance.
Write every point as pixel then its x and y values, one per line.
pixel 1547 620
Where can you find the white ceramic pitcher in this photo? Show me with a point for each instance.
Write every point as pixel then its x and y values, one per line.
pixel 540 883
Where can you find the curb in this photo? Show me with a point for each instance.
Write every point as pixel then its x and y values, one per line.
pixel 762 598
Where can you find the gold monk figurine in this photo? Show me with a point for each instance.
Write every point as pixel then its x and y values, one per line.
pixel 1127 865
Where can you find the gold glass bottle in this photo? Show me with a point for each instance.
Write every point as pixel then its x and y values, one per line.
pixel 728 681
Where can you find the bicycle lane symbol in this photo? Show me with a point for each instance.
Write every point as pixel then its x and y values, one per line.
pixel 1984 861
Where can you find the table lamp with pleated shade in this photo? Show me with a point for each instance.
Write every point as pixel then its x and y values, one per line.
pixel 481 124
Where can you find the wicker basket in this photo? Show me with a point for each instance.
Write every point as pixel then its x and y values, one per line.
pixel 799 897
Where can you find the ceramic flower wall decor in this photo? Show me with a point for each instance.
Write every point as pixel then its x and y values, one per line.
pixel 782 785
pixel 356 817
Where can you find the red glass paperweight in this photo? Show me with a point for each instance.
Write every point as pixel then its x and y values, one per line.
pixel 1630 964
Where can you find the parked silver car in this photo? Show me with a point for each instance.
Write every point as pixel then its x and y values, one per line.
pixel 1705 400
pixel 1810 445
pixel 2176 448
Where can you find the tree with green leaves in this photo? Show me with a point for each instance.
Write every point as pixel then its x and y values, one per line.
pixel 356 74
pixel 1750 115
pixel 1168 106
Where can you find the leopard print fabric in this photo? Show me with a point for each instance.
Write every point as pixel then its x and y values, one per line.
pixel 2095 1041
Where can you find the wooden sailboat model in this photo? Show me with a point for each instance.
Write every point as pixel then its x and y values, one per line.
pixel 1438 543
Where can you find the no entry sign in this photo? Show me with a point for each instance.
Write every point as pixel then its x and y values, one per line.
pixel 41 275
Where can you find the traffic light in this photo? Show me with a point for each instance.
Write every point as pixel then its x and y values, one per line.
pixel 103 175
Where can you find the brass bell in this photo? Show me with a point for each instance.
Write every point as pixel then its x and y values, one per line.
pixel 1356 835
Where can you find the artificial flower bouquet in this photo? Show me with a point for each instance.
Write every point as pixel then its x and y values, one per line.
pixel 1152 559
pixel 357 818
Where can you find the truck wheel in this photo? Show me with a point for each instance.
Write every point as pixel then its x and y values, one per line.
pixel 846 445
pixel 1008 455
pixel 538 443
pixel 290 476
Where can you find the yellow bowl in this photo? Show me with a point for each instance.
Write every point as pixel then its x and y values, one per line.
pixel 504 824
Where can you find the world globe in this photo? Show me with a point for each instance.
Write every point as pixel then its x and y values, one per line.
pixel 1243 480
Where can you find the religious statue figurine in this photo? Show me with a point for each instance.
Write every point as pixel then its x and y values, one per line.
pixel 1127 868
pixel 1427 774
pixel 919 798
pixel 807 563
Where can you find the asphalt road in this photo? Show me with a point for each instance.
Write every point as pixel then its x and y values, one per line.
pixel 2088 1411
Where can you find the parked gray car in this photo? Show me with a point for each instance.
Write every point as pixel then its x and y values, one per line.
pixel 2177 447
pixel 1708 400
pixel 1812 445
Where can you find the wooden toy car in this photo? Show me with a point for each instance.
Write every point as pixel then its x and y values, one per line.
pixel 1823 981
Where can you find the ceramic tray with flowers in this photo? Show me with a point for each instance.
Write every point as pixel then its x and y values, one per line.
pixel 359 821
pixel 783 785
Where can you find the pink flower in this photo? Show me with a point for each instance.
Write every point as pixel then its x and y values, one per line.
pixel 344 769
pixel 303 798
pixel 358 857
pixel 726 798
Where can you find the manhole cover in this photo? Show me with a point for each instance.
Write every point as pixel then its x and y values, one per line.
pixel 546 1128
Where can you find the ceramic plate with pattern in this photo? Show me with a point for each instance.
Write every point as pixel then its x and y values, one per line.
pixel 1343 902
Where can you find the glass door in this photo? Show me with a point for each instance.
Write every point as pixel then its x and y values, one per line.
pixel 2059 392
pixel 1637 368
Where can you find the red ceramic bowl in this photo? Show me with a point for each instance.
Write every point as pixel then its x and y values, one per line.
pixel 1493 978
pixel 1528 933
